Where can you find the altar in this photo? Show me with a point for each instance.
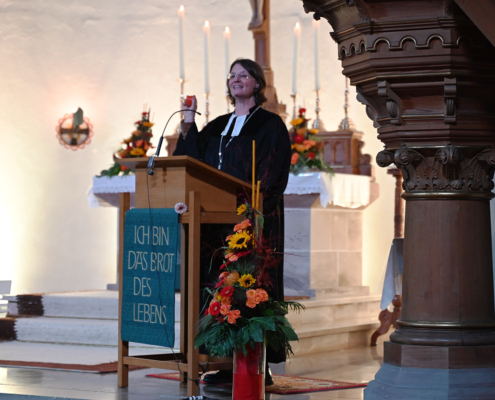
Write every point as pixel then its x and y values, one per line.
pixel 323 229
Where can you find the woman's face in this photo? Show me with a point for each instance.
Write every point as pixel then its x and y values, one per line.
pixel 241 88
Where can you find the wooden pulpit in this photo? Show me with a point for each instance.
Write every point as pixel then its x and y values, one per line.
pixel 211 197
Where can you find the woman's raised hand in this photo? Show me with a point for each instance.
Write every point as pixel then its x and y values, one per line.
pixel 190 103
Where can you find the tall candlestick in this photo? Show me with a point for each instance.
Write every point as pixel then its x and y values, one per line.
pixel 297 37
pixel 206 29
pixel 253 183
pixel 226 35
pixel 316 30
pixel 181 13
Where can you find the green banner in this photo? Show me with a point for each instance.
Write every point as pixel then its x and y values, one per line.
pixel 150 262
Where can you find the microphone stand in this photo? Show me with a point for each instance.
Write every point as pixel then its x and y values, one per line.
pixel 151 161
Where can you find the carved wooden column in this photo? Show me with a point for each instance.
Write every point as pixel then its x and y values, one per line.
pixel 399 203
pixel 425 74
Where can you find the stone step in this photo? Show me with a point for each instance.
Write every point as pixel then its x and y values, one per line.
pixel 342 291
pixel 81 331
pixel 91 304
pixel 334 310
pixel 328 336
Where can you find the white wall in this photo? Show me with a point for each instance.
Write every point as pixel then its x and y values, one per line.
pixel 109 58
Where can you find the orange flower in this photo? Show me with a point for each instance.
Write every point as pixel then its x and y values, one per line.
pixel 307 144
pixel 251 303
pixel 250 293
pixel 294 159
pixel 300 148
pixel 232 278
pixel 232 316
pixel 258 297
pixel 225 300
pixel 225 309
pixel 262 295
pixel 243 225
pixel 231 257
pixel 223 274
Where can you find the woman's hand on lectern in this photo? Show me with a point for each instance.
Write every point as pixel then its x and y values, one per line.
pixel 190 103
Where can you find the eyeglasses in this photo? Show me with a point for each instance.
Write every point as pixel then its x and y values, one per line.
pixel 241 76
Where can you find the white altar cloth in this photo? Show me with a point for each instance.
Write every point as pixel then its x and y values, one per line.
pixel 344 190
pixel 105 190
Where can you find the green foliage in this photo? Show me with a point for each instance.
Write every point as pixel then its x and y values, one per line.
pixel 222 338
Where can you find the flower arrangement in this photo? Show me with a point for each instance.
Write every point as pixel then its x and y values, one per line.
pixel 307 153
pixel 135 146
pixel 241 311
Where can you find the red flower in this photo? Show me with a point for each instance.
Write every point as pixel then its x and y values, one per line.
pixel 215 308
pixel 310 155
pixel 227 291
pixel 207 311
pixel 302 111
pixel 219 284
pixel 299 139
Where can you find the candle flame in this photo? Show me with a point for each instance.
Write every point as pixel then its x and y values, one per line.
pixel 181 8
pixel 298 25
pixel 207 24
pixel 227 29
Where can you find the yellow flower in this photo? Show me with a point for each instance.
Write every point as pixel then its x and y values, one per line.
pixel 241 209
pixel 240 240
pixel 138 151
pixel 297 121
pixel 314 131
pixel 148 124
pixel 247 281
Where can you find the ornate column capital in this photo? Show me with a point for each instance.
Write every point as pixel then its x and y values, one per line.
pixel 447 170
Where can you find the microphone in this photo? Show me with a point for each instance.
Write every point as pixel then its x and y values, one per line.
pixel 151 161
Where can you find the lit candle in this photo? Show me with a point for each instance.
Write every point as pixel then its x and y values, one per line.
pixel 253 204
pixel 297 37
pixel 181 13
pixel 206 29
pixel 226 35
pixel 316 29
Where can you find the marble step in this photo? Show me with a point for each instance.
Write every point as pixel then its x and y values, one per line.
pixel 81 331
pixel 334 310
pixel 91 304
pixel 328 336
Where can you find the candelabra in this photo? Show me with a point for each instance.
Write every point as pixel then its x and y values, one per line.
pixel 294 97
pixel 207 109
pixel 181 104
pixel 318 123
pixel 346 123
pixel 182 82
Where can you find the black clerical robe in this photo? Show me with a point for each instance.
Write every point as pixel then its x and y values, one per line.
pixel 273 154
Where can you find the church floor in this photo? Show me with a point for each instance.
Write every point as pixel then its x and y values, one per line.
pixel 352 365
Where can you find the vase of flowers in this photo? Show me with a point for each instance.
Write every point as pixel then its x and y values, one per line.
pixel 307 151
pixel 242 317
pixel 249 373
pixel 135 146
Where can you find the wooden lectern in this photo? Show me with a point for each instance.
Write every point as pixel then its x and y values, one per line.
pixel 211 197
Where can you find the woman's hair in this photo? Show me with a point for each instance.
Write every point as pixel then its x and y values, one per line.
pixel 256 72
